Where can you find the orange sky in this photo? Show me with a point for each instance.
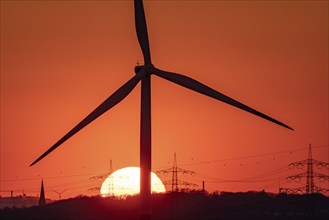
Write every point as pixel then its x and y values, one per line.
pixel 59 60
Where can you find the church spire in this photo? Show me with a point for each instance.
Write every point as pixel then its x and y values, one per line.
pixel 42 200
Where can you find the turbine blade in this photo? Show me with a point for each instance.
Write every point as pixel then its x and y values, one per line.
pixel 203 89
pixel 114 99
pixel 141 30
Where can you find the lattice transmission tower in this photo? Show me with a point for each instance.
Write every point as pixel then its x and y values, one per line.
pixel 310 175
pixel 175 182
pixel 102 177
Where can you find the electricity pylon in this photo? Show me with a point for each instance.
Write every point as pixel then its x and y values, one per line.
pixel 104 176
pixel 111 184
pixel 310 175
pixel 175 182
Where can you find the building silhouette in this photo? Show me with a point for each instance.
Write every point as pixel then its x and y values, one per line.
pixel 42 199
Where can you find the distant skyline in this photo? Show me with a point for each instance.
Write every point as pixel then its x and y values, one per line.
pixel 59 60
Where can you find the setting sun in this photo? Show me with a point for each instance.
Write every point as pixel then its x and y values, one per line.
pixel 126 181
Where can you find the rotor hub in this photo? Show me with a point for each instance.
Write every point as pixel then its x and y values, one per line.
pixel 149 68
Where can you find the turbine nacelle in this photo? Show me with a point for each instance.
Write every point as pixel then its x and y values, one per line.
pixel 138 68
pixel 148 69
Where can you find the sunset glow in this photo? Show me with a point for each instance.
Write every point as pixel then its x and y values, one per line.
pixel 62 59
pixel 126 181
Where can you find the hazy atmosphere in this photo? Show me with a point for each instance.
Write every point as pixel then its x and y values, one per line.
pixel 61 59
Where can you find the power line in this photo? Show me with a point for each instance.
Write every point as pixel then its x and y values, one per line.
pixel 251 156
pixel 49 177
pixel 258 178
pixel 187 164
pixel 255 177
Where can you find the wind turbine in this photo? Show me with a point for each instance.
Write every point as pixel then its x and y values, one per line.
pixel 60 193
pixel 143 74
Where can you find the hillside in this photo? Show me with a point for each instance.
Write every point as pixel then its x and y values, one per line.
pixel 20 201
pixel 193 205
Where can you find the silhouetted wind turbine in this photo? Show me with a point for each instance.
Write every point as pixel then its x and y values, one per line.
pixel 143 74
pixel 60 193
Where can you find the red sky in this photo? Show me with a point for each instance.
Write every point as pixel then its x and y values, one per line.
pixel 59 60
